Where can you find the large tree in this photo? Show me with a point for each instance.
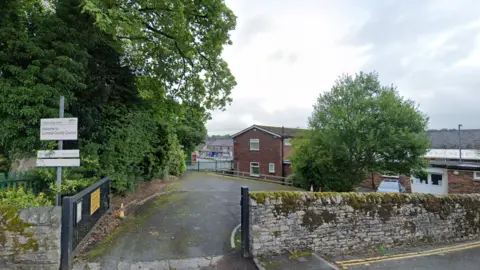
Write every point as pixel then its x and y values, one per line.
pixel 141 76
pixel 359 126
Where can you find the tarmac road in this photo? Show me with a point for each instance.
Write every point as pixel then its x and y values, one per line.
pixel 194 223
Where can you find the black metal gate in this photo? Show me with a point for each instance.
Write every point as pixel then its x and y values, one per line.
pixel 80 213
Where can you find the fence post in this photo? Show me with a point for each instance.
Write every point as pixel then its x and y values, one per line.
pixel 198 166
pixel 245 221
pixel 66 251
pixel 215 165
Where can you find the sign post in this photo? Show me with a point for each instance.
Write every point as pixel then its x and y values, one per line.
pixel 60 147
pixel 58 129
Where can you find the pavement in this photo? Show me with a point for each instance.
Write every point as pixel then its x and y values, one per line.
pixel 189 229
pixel 455 256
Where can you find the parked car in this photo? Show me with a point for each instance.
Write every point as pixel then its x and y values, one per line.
pixel 391 185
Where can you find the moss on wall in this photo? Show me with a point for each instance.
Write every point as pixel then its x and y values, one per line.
pixel 12 224
pixel 382 205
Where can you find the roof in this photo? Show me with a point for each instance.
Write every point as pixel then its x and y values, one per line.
pixel 276 131
pixel 448 138
pixel 221 142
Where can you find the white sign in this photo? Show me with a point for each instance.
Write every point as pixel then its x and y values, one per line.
pixel 469 154
pixel 58 162
pixel 58 154
pixel 55 129
pixel 79 211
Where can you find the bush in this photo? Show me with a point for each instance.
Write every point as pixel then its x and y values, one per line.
pixel 21 199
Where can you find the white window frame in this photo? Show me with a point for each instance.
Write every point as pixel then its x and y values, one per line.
pixel 258 165
pixel 271 167
pixel 257 141
pixel 287 142
pixel 476 175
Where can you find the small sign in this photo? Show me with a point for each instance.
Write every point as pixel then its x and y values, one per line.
pixel 55 129
pixel 94 201
pixel 58 162
pixel 79 211
pixel 58 154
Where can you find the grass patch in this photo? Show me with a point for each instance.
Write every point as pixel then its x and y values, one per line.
pixel 296 255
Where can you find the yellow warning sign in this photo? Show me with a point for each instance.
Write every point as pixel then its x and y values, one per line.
pixel 94 201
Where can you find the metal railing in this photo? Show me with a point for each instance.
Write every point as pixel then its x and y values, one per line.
pixel 80 214
pixel 259 177
pixel 16 180
pixel 211 165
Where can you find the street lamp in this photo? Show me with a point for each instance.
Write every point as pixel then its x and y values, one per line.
pixel 460 142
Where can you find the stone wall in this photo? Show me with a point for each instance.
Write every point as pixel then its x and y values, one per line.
pixel 30 238
pixel 345 223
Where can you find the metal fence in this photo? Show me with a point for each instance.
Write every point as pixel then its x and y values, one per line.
pixel 80 213
pixel 16 180
pixel 210 165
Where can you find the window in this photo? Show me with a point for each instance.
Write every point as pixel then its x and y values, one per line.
pixel 254 144
pixel 476 175
pixel 287 142
pixel 436 179
pixel 254 169
pixel 271 168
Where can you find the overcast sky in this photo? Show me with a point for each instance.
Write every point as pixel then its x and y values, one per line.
pixel 285 53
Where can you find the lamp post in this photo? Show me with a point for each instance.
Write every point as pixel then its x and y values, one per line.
pixel 459 142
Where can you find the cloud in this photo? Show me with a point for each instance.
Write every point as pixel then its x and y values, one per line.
pixel 281 56
pixel 252 28
pixel 285 53
pixel 245 112
pixel 418 45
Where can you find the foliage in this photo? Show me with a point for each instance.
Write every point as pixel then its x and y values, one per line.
pixel 141 77
pixel 359 126
pixel 20 198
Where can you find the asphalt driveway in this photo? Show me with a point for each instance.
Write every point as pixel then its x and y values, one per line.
pixel 192 224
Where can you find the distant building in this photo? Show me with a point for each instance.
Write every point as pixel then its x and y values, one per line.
pixel 454 164
pixel 263 150
pixel 221 149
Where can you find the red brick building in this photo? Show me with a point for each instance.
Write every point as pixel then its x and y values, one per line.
pixel 263 150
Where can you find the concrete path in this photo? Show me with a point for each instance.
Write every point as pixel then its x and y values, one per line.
pixel 191 227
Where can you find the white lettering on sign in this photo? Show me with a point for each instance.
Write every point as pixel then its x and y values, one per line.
pixel 55 129
pixel 58 162
pixel 58 154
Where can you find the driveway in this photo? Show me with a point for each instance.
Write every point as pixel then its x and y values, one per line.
pixel 185 228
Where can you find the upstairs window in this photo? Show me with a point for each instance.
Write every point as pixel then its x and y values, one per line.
pixel 254 144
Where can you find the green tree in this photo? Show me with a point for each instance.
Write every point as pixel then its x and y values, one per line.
pixel 359 126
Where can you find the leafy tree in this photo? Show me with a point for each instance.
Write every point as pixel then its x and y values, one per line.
pixel 175 43
pixel 140 76
pixel 359 126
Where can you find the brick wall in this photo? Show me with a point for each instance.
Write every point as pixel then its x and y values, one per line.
pixel 270 152
pixel 349 223
pixel 462 183
pixel 377 178
pixel 30 238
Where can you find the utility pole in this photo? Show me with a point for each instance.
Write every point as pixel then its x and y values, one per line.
pixel 460 142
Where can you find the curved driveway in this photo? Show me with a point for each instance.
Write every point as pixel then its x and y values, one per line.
pixel 196 222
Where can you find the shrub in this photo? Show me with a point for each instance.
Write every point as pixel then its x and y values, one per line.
pixel 20 198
